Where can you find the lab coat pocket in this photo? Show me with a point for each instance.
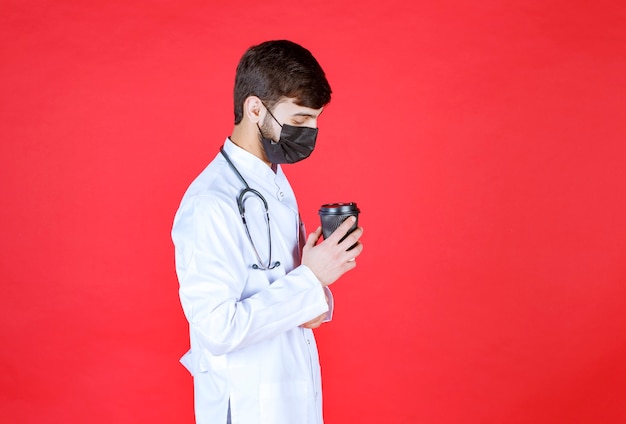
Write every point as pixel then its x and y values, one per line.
pixel 284 403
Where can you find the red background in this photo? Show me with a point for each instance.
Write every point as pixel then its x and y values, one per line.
pixel 483 142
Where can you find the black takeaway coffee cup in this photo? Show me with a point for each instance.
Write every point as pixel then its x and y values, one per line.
pixel 333 214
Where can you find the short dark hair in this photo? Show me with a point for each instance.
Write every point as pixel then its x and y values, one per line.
pixel 276 69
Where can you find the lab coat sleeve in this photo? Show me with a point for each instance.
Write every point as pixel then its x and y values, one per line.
pixel 213 273
pixel 331 304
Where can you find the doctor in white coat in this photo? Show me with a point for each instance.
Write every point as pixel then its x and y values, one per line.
pixel 252 286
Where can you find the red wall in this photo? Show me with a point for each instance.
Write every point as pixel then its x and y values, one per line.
pixel 484 142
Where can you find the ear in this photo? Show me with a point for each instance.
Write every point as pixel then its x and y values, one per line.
pixel 253 109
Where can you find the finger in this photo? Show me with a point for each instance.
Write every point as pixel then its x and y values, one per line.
pixel 312 326
pixel 318 321
pixel 342 229
pixel 352 239
pixel 355 251
pixel 314 323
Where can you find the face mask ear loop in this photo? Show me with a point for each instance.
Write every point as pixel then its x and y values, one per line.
pixel 271 114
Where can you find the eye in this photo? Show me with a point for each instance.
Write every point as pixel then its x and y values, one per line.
pixel 299 121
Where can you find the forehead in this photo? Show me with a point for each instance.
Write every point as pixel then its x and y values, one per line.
pixel 288 107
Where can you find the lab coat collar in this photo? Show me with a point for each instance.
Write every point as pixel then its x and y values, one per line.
pixel 260 176
pixel 247 163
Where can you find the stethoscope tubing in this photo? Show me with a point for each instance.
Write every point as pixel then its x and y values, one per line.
pixel 242 212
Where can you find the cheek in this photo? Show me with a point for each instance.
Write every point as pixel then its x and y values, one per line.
pixel 270 130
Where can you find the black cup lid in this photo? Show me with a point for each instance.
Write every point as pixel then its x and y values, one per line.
pixel 339 208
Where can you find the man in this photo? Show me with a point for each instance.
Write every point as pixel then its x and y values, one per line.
pixel 251 287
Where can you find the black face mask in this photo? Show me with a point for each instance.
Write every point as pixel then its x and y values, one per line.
pixel 294 143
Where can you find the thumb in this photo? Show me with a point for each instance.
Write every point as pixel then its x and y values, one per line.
pixel 314 237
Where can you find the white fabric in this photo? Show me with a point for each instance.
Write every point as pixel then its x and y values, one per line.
pixel 246 343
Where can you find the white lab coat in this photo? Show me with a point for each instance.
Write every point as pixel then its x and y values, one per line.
pixel 246 344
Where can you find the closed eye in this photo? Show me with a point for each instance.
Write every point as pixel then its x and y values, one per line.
pixel 303 118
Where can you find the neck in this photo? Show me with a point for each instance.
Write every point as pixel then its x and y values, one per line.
pixel 247 137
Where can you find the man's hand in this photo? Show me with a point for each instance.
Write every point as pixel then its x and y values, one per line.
pixel 330 259
pixel 315 322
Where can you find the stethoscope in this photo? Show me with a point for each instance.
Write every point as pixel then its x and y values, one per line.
pixel 242 212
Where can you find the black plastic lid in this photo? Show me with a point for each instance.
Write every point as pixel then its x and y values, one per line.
pixel 339 208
